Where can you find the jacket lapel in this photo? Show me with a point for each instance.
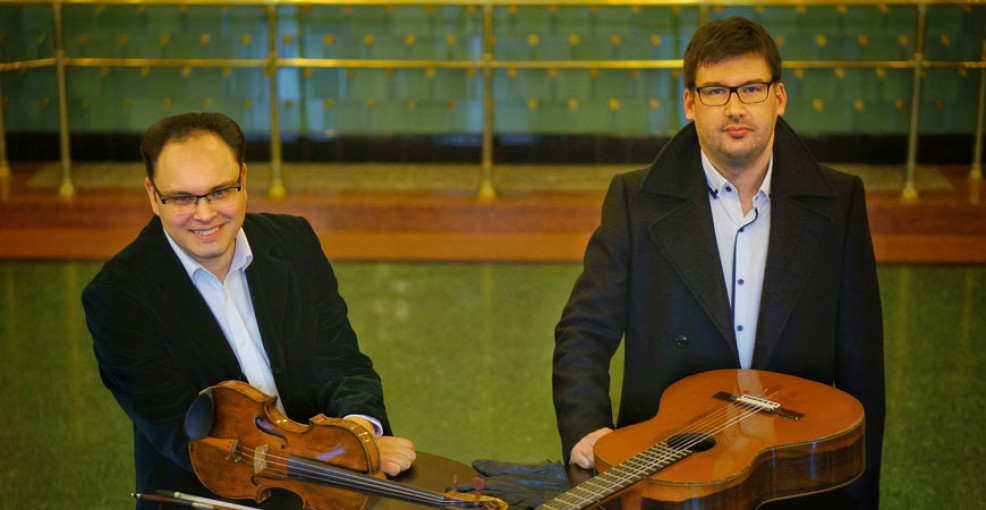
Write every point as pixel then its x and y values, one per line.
pixel 197 330
pixel 268 276
pixel 797 227
pixel 682 213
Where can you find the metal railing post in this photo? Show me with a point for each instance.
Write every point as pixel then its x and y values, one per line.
pixel 487 191
pixel 910 191
pixel 67 188
pixel 276 188
pixel 976 171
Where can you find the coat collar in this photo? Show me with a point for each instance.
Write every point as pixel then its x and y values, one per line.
pixel 682 229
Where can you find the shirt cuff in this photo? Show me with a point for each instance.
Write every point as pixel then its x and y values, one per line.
pixel 377 427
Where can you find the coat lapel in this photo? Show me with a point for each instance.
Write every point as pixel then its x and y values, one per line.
pixel 797 228
pixel 268 276
pixel 682 227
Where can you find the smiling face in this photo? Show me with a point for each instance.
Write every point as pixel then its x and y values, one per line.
pixel 736 136
pixel 197 164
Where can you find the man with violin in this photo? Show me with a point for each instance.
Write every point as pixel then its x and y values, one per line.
pixel 208 293
pixel 734 249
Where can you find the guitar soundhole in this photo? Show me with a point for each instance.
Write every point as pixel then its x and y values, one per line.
pixel 692 441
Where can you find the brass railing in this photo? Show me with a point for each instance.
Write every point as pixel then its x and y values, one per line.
pixel 486 190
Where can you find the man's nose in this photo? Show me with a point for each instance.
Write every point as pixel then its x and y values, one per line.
pixel 204 209
pixel 733 104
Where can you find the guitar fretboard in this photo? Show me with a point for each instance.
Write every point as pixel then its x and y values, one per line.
pixel 600 487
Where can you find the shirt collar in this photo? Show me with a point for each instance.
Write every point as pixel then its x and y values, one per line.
pixel 242 255
pixel 716 181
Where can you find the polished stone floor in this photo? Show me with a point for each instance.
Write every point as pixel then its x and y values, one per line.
pixel 464 350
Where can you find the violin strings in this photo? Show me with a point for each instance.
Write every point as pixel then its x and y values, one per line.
pixel 355 480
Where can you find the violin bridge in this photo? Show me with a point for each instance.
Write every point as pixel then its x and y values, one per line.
pixel 260 459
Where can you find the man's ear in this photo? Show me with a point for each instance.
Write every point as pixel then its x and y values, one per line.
pixel 151 195
pixel 781 96
pixel 688 100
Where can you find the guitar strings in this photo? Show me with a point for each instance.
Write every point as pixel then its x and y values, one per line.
pixel 627 473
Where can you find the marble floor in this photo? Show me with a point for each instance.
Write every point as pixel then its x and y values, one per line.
pixel 464 350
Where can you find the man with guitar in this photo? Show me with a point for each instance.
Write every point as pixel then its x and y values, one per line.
pixel 734 249
pixel 208 293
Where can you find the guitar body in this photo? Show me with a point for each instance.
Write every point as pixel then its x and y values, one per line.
pixel 765 456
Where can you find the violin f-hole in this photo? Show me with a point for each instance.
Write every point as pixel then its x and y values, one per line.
pixel 268 428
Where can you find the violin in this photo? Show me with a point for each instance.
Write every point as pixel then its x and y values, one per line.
pixel 242 447
pixel 729 439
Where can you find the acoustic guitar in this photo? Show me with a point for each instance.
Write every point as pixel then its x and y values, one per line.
pixel 729 439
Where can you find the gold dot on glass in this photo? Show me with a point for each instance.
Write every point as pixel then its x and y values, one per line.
pixel 532 39
pixel 899 104
pixel 594 73
pixel 654 104
pixel 127 102
pixel 858 105
pixel 409 40
pixel 532 104
pixel 635 9
pixel 103 71
pixel 247 104
pixel 552 73
pixel 429 8
pixel 83 38
pixel 635 73
pixel 164 40
pixel 370 104
pixel 614 40
pixel 511 9
pixel 940 104
pixel 780 40
pixel 450 39
pixel 717 8
pixel 842 9
pixel 349 72
pixel 573 105
pixel 963 72
pixel 614 104
pixel 573 39
pixel 884 8
pixel 511 73
pixel 655 39
pixel 328 39
pixel 902 39
pixel 675 73
pixel 389 73
pixel 821 40
pixel 287 38
pixel 166 103
pixel 881 73
pixel 328 104
pixel 470 73
pixel 45 101
pixel 207 103
pixel 145 71
pixel 412 104
pixel 368 39
pixel 818 105
pixel 85 103
pixel 863 40
pixel 388 9
pixel 593 8
pixel 124 39
pixel 676 9
pixel 552 8
pixel 308 72
pixel 945 41
pixel 800 9
pixel 840 73
pixel 182 9
pixel 186 72
pixel 205 39
pixel 245 39
pixel 450 104
pixel 288 105
pixel 429 73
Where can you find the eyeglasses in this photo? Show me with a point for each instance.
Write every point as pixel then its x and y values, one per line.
pixel 748 93
pixel 217 197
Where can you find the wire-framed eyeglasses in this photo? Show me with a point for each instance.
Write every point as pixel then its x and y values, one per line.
pixel 217 197
pixel 748 93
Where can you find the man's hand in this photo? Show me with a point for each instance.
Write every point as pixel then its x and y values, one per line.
pixel 582 452
pixel 396 454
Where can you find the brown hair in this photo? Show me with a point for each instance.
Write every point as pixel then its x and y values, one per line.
pixel 180 126
pixel 731 37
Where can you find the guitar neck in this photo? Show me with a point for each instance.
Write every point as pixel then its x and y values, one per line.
pixel 601 487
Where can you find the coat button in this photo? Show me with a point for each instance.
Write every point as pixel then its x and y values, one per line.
pixel 681 340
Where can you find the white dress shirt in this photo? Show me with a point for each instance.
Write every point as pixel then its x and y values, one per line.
pixel 742 241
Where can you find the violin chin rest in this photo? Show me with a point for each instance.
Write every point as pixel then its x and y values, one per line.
pixel 200 415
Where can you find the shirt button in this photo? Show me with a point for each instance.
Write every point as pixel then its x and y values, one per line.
pixel 739 328
pixel 740 281
pixel 728 188
pixel 681 340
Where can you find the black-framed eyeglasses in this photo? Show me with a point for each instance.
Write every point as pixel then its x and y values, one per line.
pixel 215 197
pixel 748 93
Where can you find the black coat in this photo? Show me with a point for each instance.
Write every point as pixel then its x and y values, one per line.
pixel 158 344
pixel 653 277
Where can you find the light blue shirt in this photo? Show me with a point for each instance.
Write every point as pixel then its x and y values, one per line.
pixel 230 303
pixel 742 241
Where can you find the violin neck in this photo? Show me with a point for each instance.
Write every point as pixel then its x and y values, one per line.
pixel 300 468
pixel 601 487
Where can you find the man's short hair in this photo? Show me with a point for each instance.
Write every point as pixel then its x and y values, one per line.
pixel 721 39
pixel 180 126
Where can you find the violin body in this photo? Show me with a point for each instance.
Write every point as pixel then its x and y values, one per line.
pixel 713 450
pixel 250 419
pixel 241 447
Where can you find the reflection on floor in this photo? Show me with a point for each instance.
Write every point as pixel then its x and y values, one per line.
pixel 464 350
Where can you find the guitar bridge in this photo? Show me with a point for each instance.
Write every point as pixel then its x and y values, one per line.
pixel 760 404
